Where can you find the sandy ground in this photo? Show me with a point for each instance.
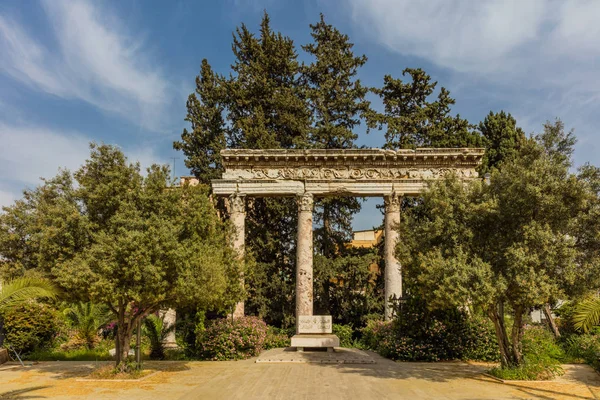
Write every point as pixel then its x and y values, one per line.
pixel 383 379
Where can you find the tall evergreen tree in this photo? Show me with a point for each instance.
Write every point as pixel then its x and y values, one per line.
pixel 205 107
pixel 337 102
pixel 412 120
pixel 503 139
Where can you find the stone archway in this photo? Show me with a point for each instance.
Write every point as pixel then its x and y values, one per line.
pixel 306 174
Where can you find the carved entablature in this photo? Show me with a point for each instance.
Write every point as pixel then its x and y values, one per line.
pixel 360 172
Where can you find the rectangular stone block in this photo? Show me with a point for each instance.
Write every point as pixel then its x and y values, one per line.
pixel 321 340
pixel 314 324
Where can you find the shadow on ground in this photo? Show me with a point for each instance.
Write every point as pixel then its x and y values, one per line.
pixel 82 369
pixel 23 393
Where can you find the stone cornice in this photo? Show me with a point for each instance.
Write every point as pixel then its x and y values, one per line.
pixel 463 157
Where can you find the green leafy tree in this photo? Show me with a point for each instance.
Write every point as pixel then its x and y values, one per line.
pixel 502 137
pixel 337 100
pixel 207 137
pixel 130 241
pixel 512 243
pixel 410 119
pixel 260 105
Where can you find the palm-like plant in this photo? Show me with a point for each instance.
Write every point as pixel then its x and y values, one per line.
pixel 587 314
pixel 156 330
pixel 86 319
pixel 19 290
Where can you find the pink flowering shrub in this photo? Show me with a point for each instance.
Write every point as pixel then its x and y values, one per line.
pixel 227 339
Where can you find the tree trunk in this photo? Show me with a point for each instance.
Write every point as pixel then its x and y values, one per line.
pixel 551 321
pixel 517 336
pixel 506 356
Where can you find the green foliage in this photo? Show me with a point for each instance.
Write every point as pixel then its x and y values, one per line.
pixel 502 138
pixel 421 335
pixel 233 339
pixel 411 121
pixel 348 286
pixel 515 242
pixel 583 347
pixel 126 240
pixel 587 314
pixel 542 357
pixel 20 290
pixel 276 338
pixel 30 326
pixel 156 331
pixel 344 332
pixel 86 319
pixel 98 353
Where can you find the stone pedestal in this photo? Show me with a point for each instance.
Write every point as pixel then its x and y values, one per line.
pixel 169 318
pixel 314 331
pixel 304 258
pixel 237 209
pixel 393 275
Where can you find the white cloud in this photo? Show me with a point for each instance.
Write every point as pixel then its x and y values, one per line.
pixel 538 58
pixel 29 153
pixel 96 61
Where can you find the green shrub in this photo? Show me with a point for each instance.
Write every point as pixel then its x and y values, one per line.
pixel 583 348
pixel 276 338
pixel 98 353
pixel 156 331
pixel 542 357
pixel 420 335
pixel 344 332
pixel 31 326
pixel 232 339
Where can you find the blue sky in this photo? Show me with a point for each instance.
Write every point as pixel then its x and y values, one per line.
pixel 120 71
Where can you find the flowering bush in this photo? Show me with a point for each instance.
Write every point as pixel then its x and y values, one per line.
pixel 419 335
pixel 227 339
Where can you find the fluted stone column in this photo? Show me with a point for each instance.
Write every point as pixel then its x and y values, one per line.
pixel 304 257
pixel 237 215
pixel 393 275
pixel 169 318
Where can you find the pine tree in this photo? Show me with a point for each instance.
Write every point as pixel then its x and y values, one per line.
pixel 202 145
pixel 337 101
pixel 503 139
pixel 411 120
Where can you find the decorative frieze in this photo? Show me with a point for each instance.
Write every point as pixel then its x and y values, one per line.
pixel 303 173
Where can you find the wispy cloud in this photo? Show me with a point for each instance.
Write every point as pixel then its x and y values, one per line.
pixel 538 57
pixel 97 61
pixel 29 153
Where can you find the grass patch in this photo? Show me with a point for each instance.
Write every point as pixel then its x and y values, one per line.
pixel 528 372
pixel 97 354
pixel 110 372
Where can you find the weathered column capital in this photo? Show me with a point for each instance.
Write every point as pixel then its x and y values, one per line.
pixel 305 202
pixel 392 202
pixel 237 203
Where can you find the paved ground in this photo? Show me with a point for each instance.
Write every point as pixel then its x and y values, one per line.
pixel 249 380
